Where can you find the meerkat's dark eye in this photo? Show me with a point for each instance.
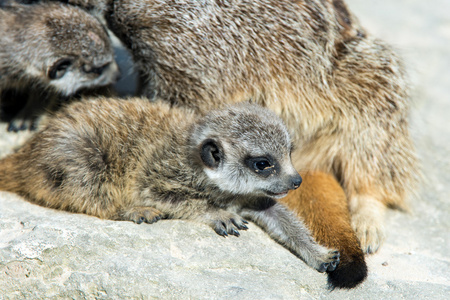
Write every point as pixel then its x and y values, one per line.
pixel 261 165
pixel 59 69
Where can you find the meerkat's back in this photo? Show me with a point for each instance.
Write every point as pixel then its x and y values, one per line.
pixel 195 53
pixel 94 145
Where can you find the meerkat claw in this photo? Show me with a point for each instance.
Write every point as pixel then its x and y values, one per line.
pixel 337 254
pixel 235 232
pixel 240 225
pixel 221 232
pixel 332 266
pixel 323 267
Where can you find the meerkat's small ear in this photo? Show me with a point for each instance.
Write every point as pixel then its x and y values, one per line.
pixel 211 153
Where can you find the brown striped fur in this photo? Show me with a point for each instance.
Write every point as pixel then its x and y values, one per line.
pixel 50 50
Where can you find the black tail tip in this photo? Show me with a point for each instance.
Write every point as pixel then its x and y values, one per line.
pixel 348 275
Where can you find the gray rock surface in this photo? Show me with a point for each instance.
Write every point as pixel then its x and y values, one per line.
pixel 52 254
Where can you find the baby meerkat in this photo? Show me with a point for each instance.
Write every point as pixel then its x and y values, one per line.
pixel 57 49
pixel 140 161
pixel 342 93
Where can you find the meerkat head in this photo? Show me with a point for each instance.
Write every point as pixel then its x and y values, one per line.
pixel 71 49
pixel 246 149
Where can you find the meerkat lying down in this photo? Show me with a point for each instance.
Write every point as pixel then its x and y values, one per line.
pixel 134 160
pixel 48 48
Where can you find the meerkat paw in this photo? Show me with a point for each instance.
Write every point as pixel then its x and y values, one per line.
pixel 370 232
pixel 225 223
pixel 329 262
pixel 29 117
pixel 18 124
pixel 141 214
pixel 367 217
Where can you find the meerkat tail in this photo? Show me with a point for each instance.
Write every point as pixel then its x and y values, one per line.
pixel 322 204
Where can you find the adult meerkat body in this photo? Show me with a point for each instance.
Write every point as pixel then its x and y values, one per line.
pixel 134 160
pixel 55 48
pixel 341 92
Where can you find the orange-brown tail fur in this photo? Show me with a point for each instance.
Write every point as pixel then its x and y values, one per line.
pixel 322 204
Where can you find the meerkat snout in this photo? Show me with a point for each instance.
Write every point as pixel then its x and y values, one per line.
pixel 280 177
pixel 296 181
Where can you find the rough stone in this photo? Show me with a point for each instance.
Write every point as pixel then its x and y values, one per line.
pixel 52 254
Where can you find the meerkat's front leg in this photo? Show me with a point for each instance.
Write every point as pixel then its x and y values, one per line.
pixel 282 225
pixel 140 214
pixel 222 221
pixel 367 216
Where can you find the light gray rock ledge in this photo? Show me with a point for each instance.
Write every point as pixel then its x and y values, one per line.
pixel 52 254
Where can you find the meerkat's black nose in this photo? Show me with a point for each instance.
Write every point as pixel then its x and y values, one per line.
pixel 296 181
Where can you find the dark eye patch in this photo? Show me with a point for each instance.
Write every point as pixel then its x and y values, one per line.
pixel 263 166
pixel 59 69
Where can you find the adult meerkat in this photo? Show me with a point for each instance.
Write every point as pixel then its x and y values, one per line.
pixel 341 92
pixel 134 160
pixel 56 49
